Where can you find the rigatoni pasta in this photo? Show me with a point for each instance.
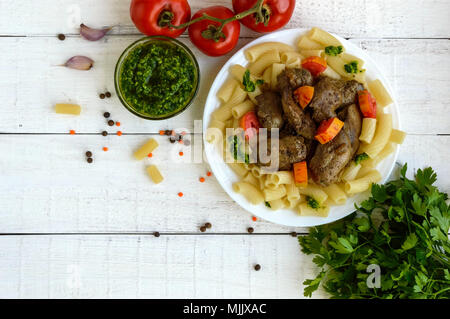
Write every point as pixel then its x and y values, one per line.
pixel 277 189
pixel 146 149
pixel 250 192
pixel 71 109
pixel 155 174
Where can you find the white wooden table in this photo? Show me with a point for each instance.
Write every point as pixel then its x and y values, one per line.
pixel 70 229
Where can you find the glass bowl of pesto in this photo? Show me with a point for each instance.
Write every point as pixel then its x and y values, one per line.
pixel 157 77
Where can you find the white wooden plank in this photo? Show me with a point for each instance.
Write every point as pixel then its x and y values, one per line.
pixel 47 186
pixel 351 18
pixel 34 84
pixel 148 267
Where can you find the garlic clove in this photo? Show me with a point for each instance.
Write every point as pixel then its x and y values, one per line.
pixel 93 34
pixel 79 63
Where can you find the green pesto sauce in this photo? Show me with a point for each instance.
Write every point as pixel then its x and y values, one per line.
pixel 157 79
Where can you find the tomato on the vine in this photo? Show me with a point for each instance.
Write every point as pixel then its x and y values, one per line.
pixel 206 35
pixel 152 17
pixel 275 14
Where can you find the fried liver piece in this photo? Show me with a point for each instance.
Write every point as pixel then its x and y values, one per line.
pixel 299 120
pixel 331 158
pixel 331 94
pixel 269 110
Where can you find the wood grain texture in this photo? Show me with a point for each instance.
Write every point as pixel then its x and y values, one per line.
pixel 350 18
pixel 35 83
pixel 148 267
pixel 47 186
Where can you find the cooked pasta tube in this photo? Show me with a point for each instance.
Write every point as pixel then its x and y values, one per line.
pixel 362 184
pixel 337 195
pixel 272 194
pixel 306 43
pixel 380 93
pixel 351 171
pixel 250 192
pixel 254 52
pixel 368 129
pixel 323 37
pixel 315 192
pixel 304 210
pixel 226 91
pixel 381 137
pixel 240 109
pixel 276 204
pixel 397 136
pixel 268 58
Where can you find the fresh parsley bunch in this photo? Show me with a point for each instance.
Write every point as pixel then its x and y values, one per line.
pixel 403 228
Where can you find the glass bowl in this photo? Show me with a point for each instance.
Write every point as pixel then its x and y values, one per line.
pixel 147 40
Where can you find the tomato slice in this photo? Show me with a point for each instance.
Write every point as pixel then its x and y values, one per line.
pixel 367 104
pixel 250 124
pixel 315 65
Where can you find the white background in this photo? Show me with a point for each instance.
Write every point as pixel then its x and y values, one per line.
pixel 46 186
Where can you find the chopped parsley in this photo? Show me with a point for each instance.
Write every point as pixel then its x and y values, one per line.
pixel 351 67
pixel 361 157
pixel 268 204
pixel 334 51
pixel 314 204
pixel 236 150
pixel 249 85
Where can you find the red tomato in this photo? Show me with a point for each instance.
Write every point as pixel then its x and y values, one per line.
pixel 147 14
pixel 220 46
pixel 250 124
pixel 367 104
pixel 278 13
pixel 315 65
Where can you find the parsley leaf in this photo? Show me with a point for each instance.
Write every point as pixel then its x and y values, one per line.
pixel 249 85
pixel 312 202
pixel 334 51
pixel 351 67
pixel 361 157
pixel 403 228
pixel 267 204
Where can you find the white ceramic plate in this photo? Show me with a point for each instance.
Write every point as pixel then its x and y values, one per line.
pixel 227 177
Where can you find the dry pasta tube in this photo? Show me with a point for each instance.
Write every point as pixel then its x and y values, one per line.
pixel 253 53
pixel 304 210
pixel 72 109
pixel 146 149
pixel 362 184
pixel 291 203
pixel 380 93
pixel 250 192
pixel 267 76
pixel 154 174
pixel 239 169
pixel 323 37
